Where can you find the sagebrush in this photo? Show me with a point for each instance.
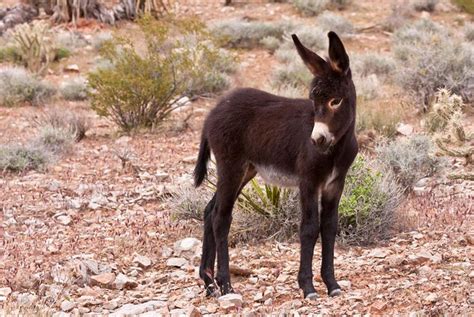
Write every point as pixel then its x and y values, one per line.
pixel 17 86
pixel 431 58
pixel 410 159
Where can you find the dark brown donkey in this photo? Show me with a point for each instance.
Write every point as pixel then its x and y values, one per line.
pixel 305 143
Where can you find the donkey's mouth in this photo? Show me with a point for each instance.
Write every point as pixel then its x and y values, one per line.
pixel 323 148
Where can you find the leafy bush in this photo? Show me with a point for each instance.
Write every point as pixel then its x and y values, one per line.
pixel 409 158
pixel 245 34
pixel 424 5
pixel 69 122
pixel 400 13
pixel 9 53
pixel 74 89
pixel 466 5
pixel 367 210
pixel 61 53
pixel 54 139
pixel 315 7
pixel 311 7
pixel 18 86
pixel 329 21
pixel 469 32
pixel 271 43
pixel 143 89
pixel 18 158
pixel 262 212
pixel 430 58
pixel 100 39
pixel 368 87
pixel 366 64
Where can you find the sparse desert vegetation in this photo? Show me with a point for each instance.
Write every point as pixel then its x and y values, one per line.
pixel 99 134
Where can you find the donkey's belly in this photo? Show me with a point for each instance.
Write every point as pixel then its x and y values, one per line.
pixel 276 177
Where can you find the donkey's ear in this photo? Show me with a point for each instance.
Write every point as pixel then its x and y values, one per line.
pixel 337 54
pixel 313 61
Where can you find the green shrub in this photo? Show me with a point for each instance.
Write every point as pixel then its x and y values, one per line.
pixel 424 5
pixel 366 64
pixel 9 53
pixel 368 87
pixel 469 32
pixel 18 86
pixel 430 59
pixel 246 34
pixel 315 7
pixel 311 7
pixel 271 43
pixel 55 140
pixel 410 159
pixel 61 53
pixel 140 90
pixel 265 212
pixel 367 210
pixel 18 158
pixel 466 5
pixel 74 89
pixel 67 122
pixel 329 21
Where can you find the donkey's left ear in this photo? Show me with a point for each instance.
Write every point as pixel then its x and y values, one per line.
pixel 337 54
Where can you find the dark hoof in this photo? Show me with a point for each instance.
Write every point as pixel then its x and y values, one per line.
pixel 211 291
pixel 312 296
pixel 335 292
pixel 226 289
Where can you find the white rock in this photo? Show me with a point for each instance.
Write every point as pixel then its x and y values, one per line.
pixel 124 282
pixel 5 291
pixel 3 299
pixel 64 219
pixel 405 129
pixel 131 309
pixel 230 301
pixel 188 246
pixel 67 305
pixel 142 261
pixel 379 253
pixel 345 284
pixel 176 262
pixel 431 297
pixel 72 68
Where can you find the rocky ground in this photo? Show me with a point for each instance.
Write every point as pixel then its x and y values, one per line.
pixel 95 235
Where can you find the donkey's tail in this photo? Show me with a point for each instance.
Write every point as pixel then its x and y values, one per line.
pixel 200 171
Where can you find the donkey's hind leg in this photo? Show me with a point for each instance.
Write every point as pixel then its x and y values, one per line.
pixel 231 179
pixel 206 270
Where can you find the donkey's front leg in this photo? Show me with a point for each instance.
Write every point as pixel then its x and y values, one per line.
pixel 329 218
pixel 309 231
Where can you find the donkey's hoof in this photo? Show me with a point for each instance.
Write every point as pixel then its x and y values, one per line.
pixel 335 292
pixel 212 291
pixel 312 296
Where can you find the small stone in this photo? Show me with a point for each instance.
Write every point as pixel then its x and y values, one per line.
pixel 176 262
pixel 64 219
pixel 5 291
pixel 142 261
pixel 74 68
pixel 404 129
pixel 258 297
pixel 395 259
pixel 282 278
pixel 230 301
pixel 425 270
pixel 177 312
pixel 345 284
pixel 103 280
pixel 189 159
pixel 379 253
pixel 431 298
pixel 378 306
pixel 212 308
pixel 124 282
pixel 67 305
pixel 193 312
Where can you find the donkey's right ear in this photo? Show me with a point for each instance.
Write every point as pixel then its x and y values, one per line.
pixel 313 61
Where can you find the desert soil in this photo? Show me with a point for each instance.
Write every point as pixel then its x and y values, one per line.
pixel 93 236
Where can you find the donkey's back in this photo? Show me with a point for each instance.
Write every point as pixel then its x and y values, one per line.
pixel 259 127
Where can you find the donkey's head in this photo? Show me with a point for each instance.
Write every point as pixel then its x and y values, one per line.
pixel 332 91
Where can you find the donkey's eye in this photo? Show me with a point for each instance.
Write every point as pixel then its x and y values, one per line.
pixel 335 102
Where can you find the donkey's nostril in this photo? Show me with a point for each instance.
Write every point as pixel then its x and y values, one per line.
pixel 321 140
